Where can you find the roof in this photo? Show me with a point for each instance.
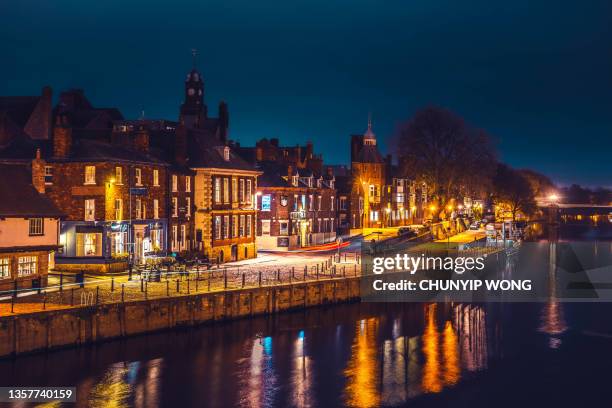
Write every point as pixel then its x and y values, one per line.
pixel 96 151
pixel 19 197
pixel 206 151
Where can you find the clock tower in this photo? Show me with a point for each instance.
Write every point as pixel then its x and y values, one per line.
pixel 193 109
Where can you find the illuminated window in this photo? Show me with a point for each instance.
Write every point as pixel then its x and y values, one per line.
pixel 138 209
pixel 48 175
pixel 118 175
pixel 90 209
pixel 138 176
pixel 241 191
pixel 249 220
pixel 226 226
pixel 174 236
pixel 118 209
pixel 174 207
pixel 331 202
pixel 156 208
pixel 5 268
pixel 90 174
pixel 234 190
pixel 226 192
pixel 249 190
pixel 174 183
pixel 241 226
pixel 188 184
pixel 155 177
pixel 27 265
pixel 37 226
pixel 217 226
pixel 217 190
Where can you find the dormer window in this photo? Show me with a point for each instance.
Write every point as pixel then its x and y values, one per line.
pixel 294 181
pixel 226 153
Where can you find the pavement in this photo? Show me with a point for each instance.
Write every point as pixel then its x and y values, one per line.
pixel 465 237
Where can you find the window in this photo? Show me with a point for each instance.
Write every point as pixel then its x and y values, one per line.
pixel 265 227
pixel 118 208
pixel 89 244
pixel 90 209
pixel 37 226
pixel 343 203
pixel 118 175
pixel 284 228
pixel 249 220
pixel 226 226
pixel 241 198
pixel 226 193
pixel 156 177
pixel 48 175
pixel 294 181
pixel 217 190
pixel 234 226
pixel 138 176
pixel 310 202
pixel 249 190
pixel 332 203
pixel 138 209
pixel 27 265
pixel 90 174
pixel 319 203
pixel 174 183
pixel 5 268
pixel 188 206
pixel 372 191
pixel 183 235
pixel 188 184
pixel 156 208
pixel 295 202
pixel 144 211
pixel 217 227
pixel 226 153
pixel 234 190
pixel 332 225
pixel 174 236
pixel 174 207
pixel 241 226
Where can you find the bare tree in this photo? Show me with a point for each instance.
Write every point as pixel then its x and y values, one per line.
pixel 437 147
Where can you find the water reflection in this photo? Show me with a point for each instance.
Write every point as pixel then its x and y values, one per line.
pixel 301 375
pixel 362 370
pixel 257 385
pixel 552 316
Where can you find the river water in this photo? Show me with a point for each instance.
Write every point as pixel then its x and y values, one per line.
pixel 361 355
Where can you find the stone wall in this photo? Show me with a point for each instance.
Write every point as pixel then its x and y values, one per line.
pixel 42 331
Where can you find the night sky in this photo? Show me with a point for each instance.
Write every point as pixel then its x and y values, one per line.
pixel 536 74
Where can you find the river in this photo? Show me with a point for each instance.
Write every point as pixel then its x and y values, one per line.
pixel 361 355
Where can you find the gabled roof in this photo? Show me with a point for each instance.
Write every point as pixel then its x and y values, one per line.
pixel 206 151
pixel 97 151
pixel 18 198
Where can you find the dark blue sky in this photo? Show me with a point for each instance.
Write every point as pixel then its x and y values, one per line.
pixel 535 74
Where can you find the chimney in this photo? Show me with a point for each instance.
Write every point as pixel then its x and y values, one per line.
pixel 62 137
pixel 309 150
pixel 180 145
pixel 141 139
pixel 38 173
pixel 290 171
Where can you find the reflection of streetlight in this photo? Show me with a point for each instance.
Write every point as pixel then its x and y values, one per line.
pixel 553 197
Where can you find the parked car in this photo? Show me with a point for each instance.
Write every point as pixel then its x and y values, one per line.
pixel 475 226
pixel 406 232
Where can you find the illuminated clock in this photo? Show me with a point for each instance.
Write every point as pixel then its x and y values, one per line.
pixel 284 201
pixel 190 91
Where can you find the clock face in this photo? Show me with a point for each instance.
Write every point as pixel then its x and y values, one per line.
pixel 190 91
pixel 200 92
pixel 284 201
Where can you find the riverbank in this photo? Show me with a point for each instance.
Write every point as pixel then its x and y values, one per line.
pixel 75 326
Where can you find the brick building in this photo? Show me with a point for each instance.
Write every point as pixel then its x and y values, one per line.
pixel 29 226
pixel 297 208
pixel 114 197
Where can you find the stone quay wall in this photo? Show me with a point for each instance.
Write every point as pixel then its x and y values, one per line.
pixel 41 331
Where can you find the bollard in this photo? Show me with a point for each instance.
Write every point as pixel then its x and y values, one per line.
pixel 122 292
pixel 187 285
pixel 44 300
pixel 209 282
pixel 293 272
pixel 278 275
pixel 146 290
pixel 317 273
pixel 15 289
pixel 259 279
pixel 225 278
pixel 355 269
pixel 12 304
pixel 142 285
pixel 61 286
pixel 344 271
pixel 97 295
pixel 167 288
pixel 82 278
pixel 243 279
pixel 197 284
pixel 112 284
pixel 72 297
pixel 305 272
pixel 177 286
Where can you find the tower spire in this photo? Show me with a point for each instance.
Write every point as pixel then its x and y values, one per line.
pixel 370 121
pixel 194 53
